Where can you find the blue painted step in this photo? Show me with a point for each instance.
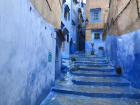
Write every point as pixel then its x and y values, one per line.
pixel 116 84
pixel 93 65
pixel 100 81
pixel 92 59
pixel 95 83
pixel 100 95
pixel 94 75
pixel 67 99
pixel 96 69
pixel 90 62
pixel 99 91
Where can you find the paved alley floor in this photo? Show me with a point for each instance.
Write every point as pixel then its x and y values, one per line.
pixel 94 82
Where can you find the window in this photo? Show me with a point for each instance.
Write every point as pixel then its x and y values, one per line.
pixel 63 2
pixel 67 37
pixel 96 35
pixel 67 16
pixel 66 33
pixel 62 25
pixel 67 13
pixel 95 15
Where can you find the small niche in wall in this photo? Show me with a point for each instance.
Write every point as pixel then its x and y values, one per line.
pixel 97 36
pixel 49 57
pixel 30 8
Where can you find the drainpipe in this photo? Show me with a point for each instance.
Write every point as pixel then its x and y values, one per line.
pixel 138 9
pixel 110 3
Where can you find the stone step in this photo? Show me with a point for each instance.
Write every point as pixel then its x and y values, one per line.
pixel 90 57
pixel 92 65
pixel 89 83
pixel 100 81
pixel 67 99
pixel 102 69
pixel 92 73
pixel 92 60
pixel 94 69
pixel 101 72
pixel 94 83
pixel 99 91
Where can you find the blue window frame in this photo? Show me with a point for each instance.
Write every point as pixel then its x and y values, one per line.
pixel 95 15
pixel 96 35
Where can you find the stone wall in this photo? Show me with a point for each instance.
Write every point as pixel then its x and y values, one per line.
pixel 50 10
pixel 124 51
pixel 123 16
pixel 27 54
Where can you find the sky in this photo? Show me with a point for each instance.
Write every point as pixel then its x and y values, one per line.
pixel 84 1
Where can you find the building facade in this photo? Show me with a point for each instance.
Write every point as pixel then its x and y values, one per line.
pixel 66 27
pixel 51 11
pixel 70 21
pixel 96 13
pixel 123 37
pixel 28 50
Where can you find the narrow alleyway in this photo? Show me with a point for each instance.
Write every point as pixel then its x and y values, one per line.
pixel 69 52
pixel 95 82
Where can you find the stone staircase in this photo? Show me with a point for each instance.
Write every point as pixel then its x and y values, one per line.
pixel 93 83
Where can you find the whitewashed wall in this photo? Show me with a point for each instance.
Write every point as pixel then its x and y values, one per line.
pixel 25 73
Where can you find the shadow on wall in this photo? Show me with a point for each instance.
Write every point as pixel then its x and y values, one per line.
pixel 124 51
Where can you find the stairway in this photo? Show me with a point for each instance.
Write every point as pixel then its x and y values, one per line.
pixel 94 83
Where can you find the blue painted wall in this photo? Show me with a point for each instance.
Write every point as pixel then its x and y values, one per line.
pixel 124 51
pixel 67 25
pixel 26 41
